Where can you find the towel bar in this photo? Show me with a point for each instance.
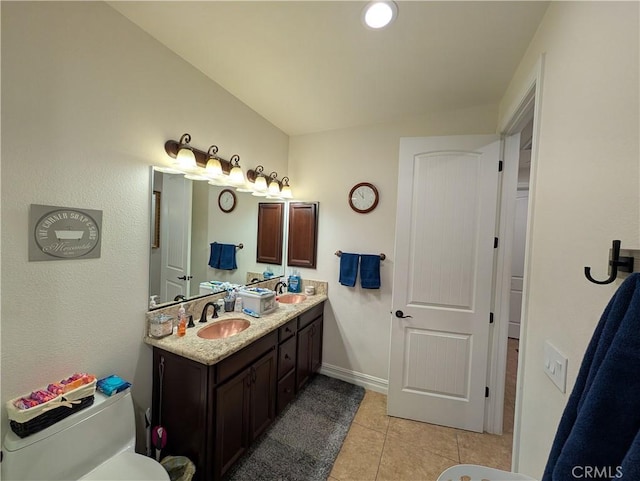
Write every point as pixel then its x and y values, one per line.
pixel 382 256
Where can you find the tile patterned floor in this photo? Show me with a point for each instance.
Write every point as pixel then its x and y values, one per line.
pixel 383 448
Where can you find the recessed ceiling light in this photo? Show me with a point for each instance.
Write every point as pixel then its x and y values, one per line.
pixel 379 14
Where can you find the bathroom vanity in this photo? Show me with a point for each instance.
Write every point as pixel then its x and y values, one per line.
pixel 214 397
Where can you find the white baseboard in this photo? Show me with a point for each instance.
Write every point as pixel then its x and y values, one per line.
pixel 368 382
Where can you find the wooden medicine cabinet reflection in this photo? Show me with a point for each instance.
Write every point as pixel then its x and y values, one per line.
pixel 303 234
pixel 270 227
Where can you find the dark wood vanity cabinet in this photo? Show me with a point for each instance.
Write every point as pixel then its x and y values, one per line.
pixel 212 414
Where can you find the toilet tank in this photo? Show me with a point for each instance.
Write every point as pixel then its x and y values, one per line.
pixel 75 445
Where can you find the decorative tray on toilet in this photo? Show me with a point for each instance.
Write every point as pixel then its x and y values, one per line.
pixel 40 409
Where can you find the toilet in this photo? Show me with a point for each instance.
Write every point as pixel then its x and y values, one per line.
pixel 96 443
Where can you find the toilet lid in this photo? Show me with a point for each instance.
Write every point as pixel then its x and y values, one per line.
pixel 128 466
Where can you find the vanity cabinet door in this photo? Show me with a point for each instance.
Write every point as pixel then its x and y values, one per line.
pixel 181 384
pixel 315 352
pixel 232 421
pixel 309 352
pixel 245 408
pixel 303 370
pixel 263 394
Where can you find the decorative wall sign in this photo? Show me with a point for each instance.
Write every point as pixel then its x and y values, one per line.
pixel 57 233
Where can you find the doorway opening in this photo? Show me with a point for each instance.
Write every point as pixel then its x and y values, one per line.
pixel 520 133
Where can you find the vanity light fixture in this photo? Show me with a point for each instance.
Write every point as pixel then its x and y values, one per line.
pixel 214 167
pixel 208 166
pixel 236 177
pixel 379 14
pixel 185 158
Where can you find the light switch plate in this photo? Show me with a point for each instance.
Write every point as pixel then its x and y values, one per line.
pixel 555 366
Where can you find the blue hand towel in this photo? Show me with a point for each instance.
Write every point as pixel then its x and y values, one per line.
pixel 348 269
pixel 370 271
pixel 601 422
pixel 228 257
pixel 214 255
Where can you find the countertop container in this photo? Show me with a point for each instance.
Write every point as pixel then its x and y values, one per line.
pixel 258 300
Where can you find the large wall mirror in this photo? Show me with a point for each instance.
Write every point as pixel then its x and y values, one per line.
pixel 190 218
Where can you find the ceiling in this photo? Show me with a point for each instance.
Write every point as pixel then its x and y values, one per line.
pixel 310 66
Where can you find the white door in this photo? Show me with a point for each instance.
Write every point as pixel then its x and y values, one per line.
pixel 442 280
pixel 175 226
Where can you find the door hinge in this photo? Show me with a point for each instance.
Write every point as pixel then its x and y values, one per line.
pixel 486 391
pixel 495 242
pixel 499 166
pixel 491 318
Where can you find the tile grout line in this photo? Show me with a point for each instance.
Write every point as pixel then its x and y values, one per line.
pixel 384 443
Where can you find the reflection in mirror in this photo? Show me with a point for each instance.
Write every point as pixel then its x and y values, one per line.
pixel 190 219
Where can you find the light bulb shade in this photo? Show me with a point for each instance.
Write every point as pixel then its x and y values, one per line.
pixel 213 168
pixel 185 159
pixel 286 192
pixel 260 184
pixel 236 176
pixel 259 194
pixel 274 187
pixel 167 170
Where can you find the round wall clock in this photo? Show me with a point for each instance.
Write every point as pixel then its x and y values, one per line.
pixel 227 200
pixel 363 197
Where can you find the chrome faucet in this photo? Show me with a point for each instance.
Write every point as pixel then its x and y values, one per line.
pixel 203 317
pixel 280 287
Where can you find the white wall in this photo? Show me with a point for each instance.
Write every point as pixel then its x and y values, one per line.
pixel 88 101
pixel 325 166
pixel 585 191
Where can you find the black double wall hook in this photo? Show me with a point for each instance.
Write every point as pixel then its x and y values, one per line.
pixel 617 263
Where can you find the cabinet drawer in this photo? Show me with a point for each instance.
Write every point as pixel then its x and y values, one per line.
pixel 241 359
pixel 288 330
pixel 307 317
pixel 286 357
pixel 286 391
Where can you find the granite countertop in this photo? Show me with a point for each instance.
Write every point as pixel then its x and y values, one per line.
pixel 212 351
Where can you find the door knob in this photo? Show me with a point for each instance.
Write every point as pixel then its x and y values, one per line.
pixel 401 315
pixel 184 278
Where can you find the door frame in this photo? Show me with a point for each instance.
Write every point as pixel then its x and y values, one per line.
pixel 527 105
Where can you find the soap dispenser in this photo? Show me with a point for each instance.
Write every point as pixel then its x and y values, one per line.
pixel 153 302
pixel 182 321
